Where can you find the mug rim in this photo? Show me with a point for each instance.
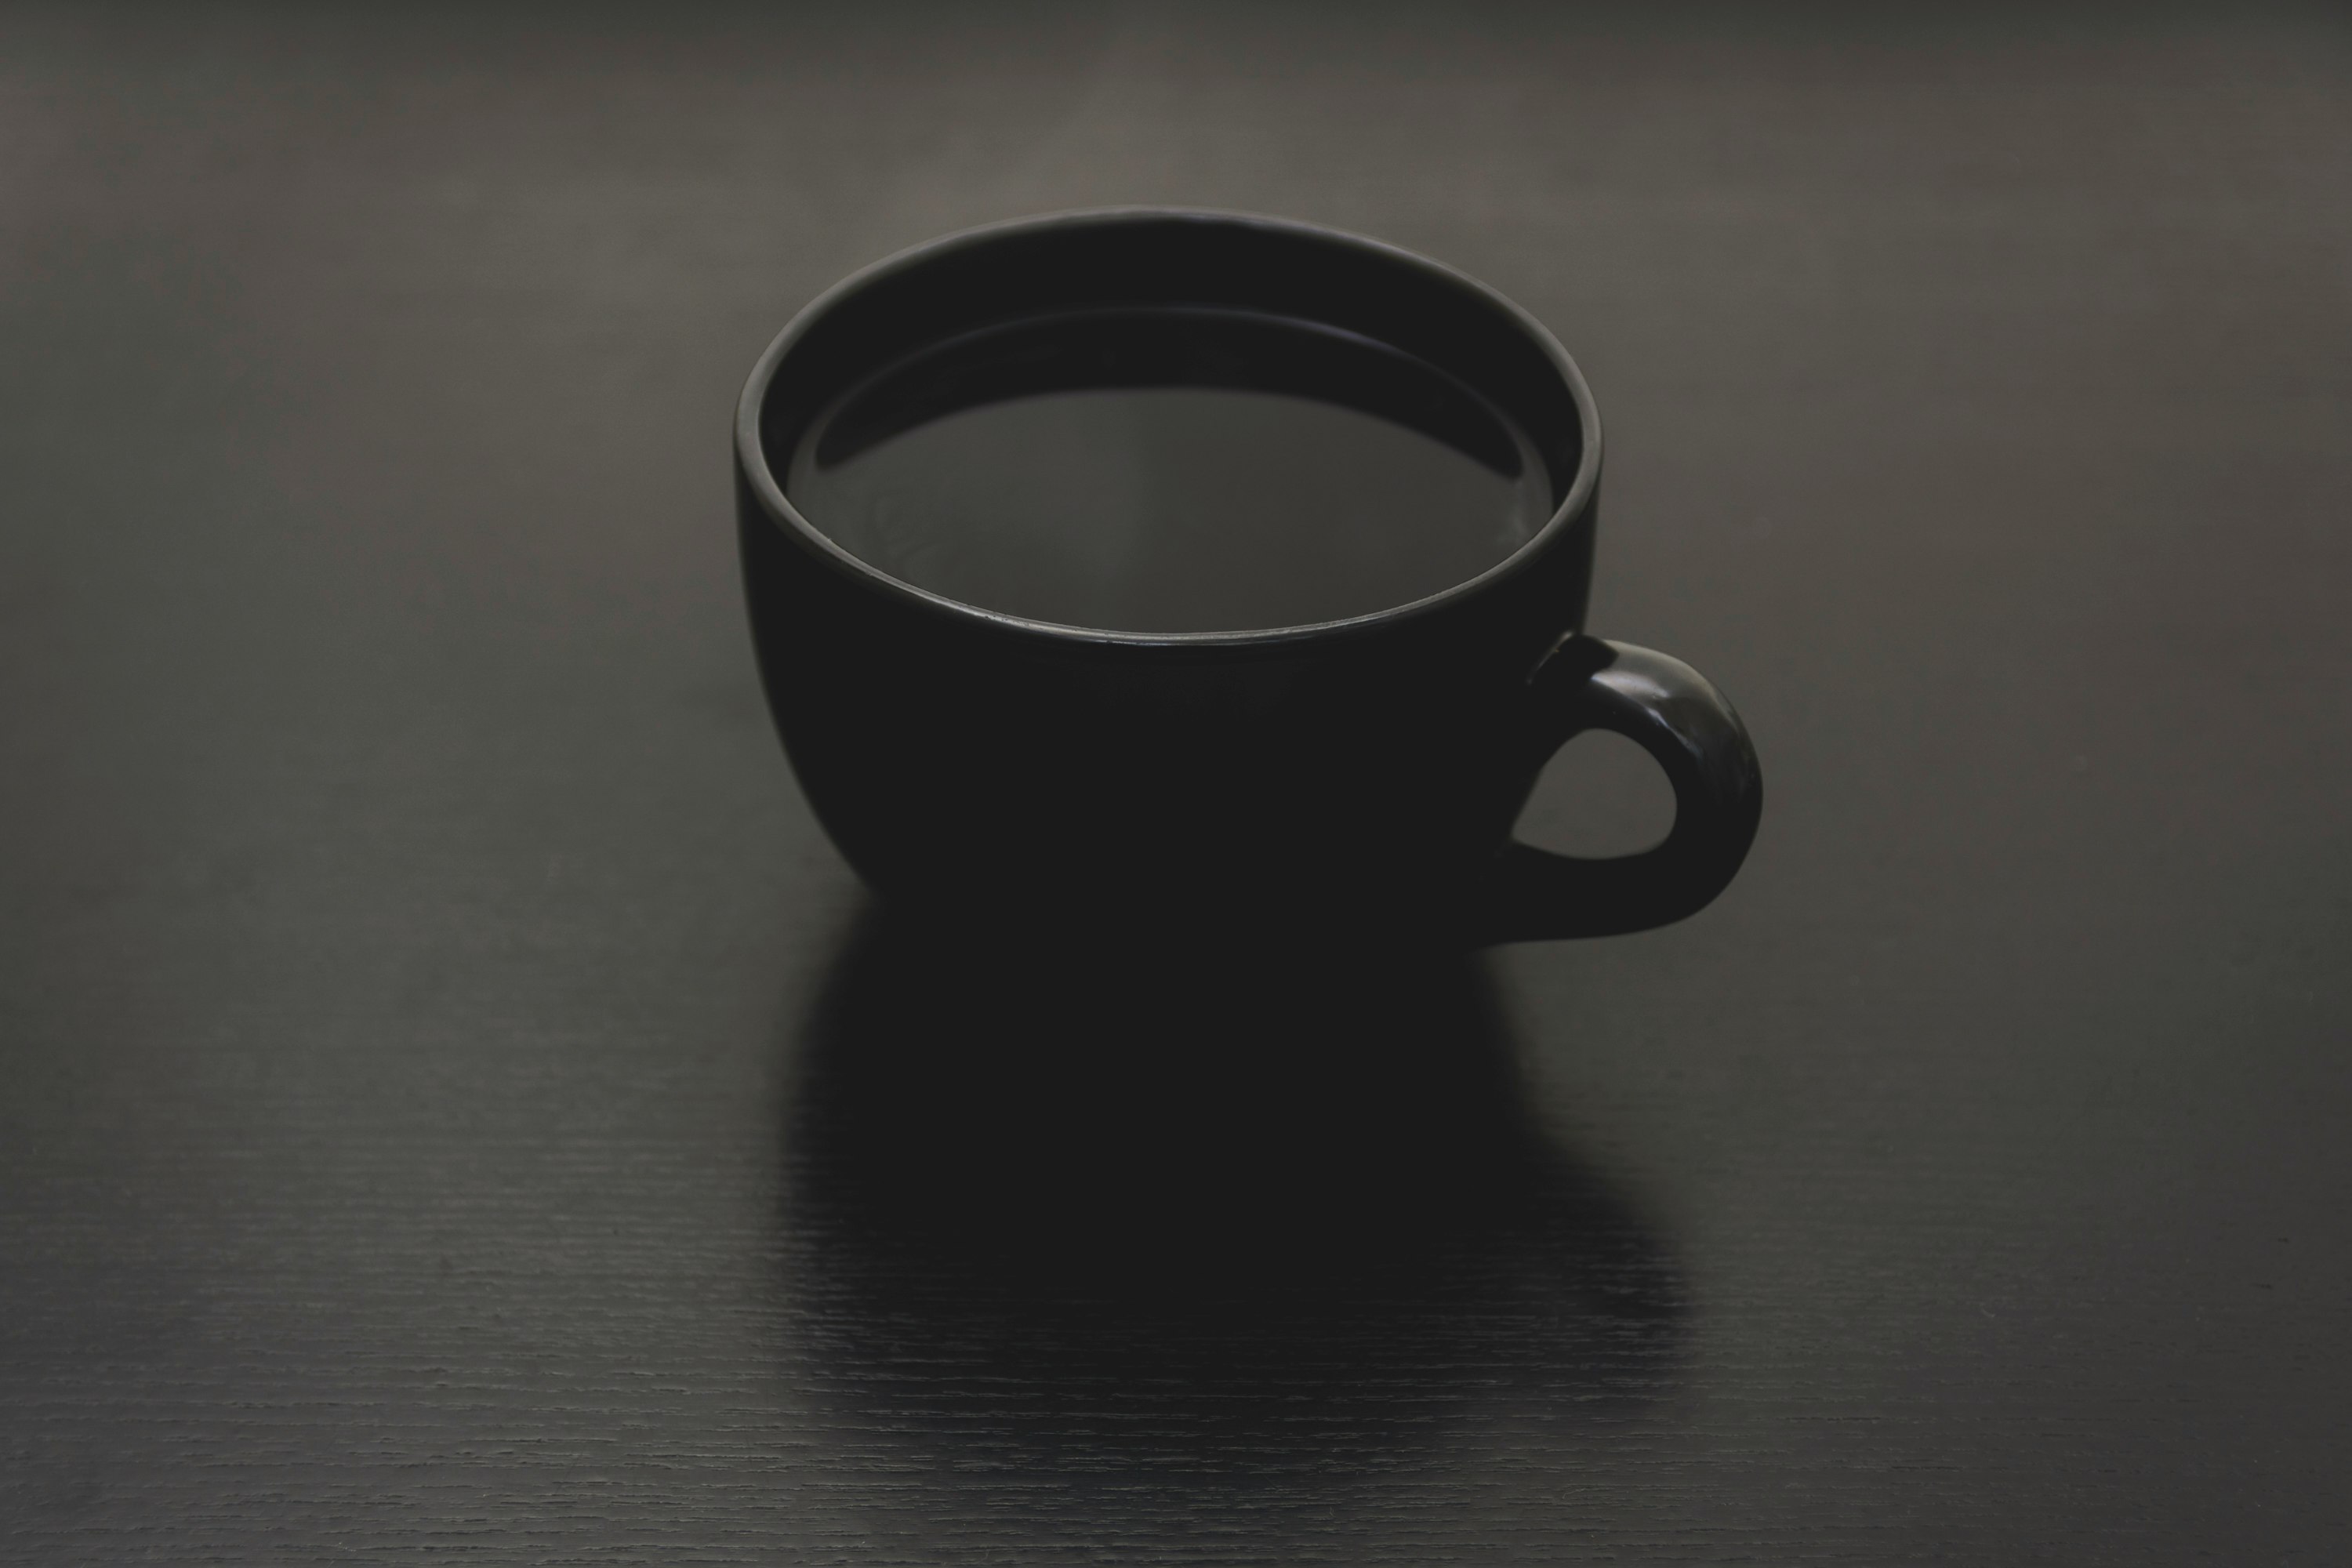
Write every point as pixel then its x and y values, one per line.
pixel 751 457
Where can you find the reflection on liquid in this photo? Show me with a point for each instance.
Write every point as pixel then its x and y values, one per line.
pixel 1213 1226
pixel 1171 470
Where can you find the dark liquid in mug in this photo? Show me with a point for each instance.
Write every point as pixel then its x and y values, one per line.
pixel 1169 470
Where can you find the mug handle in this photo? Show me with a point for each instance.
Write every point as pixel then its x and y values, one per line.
pixel 1677 715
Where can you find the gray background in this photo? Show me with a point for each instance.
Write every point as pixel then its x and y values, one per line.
pixel 409 929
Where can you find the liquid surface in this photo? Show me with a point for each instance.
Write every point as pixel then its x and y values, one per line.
pixel 1169 471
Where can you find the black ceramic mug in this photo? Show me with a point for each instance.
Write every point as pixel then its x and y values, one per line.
pixel 1357 775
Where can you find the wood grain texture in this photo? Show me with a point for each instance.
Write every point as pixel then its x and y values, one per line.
pixel 454 1105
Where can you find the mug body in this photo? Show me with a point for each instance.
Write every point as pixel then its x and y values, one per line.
pixel 1351 773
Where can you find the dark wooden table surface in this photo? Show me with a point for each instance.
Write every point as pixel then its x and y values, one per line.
pixel 453 1102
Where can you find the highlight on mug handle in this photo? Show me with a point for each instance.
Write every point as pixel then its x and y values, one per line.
pixel 1677 715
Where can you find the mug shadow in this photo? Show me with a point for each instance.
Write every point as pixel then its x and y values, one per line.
pixel 1078 1211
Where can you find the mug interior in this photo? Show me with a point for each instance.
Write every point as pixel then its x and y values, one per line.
pixel 1170 299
